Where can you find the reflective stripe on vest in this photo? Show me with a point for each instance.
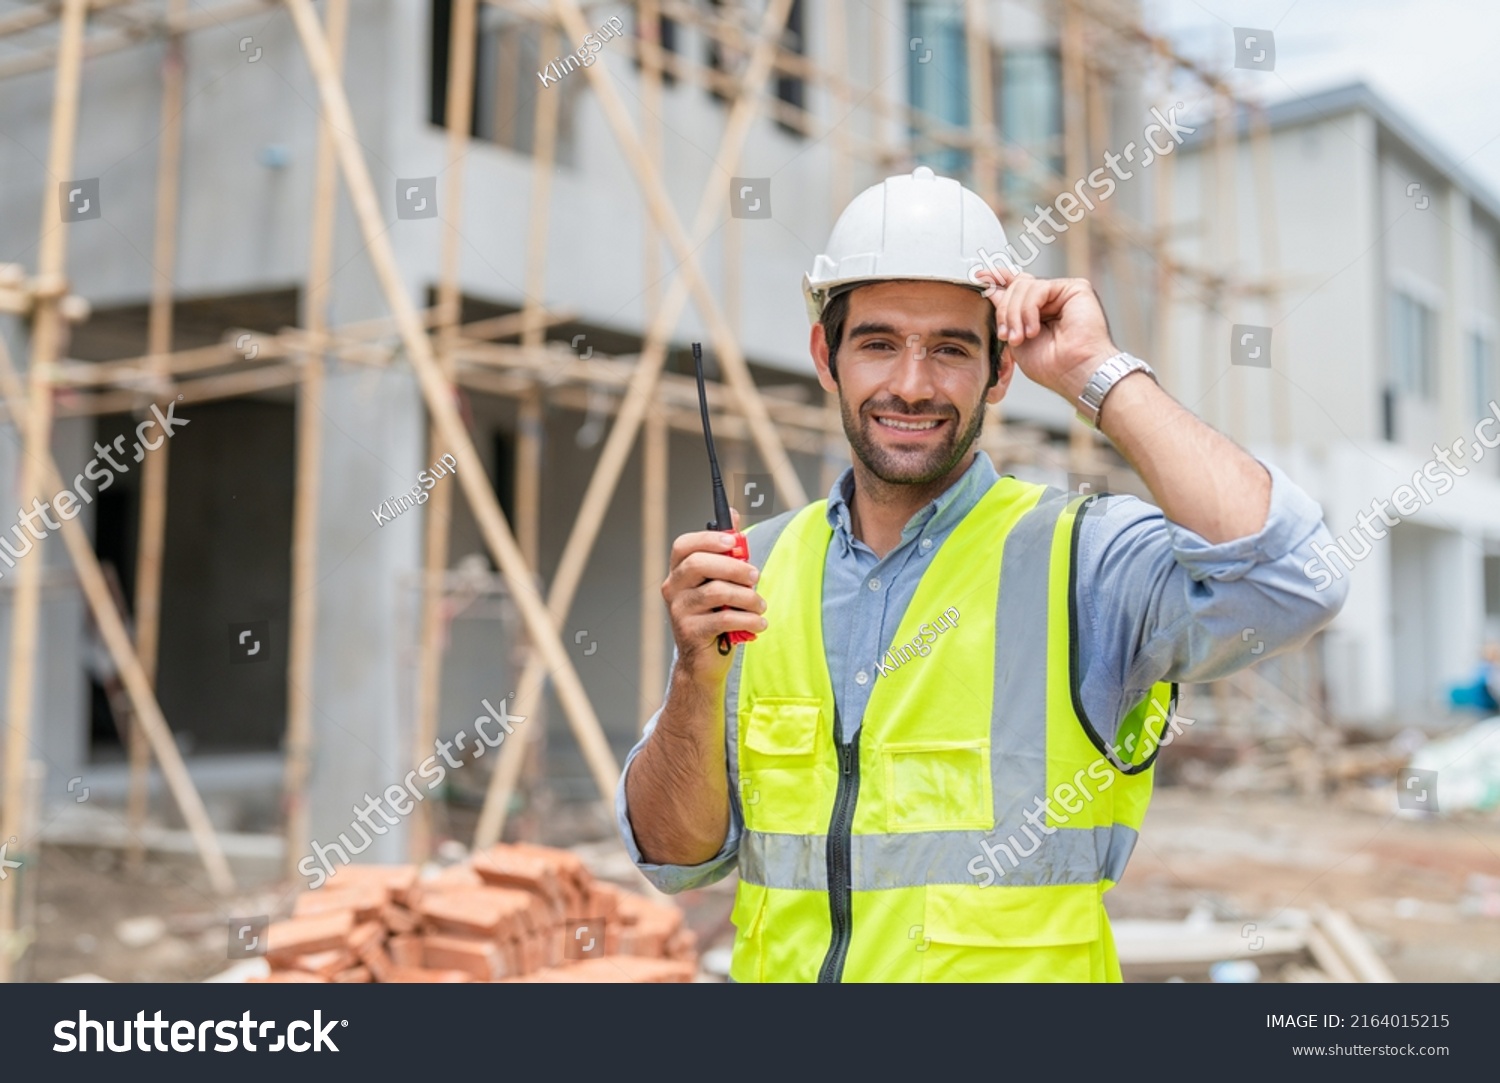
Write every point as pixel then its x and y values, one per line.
pixel 989 817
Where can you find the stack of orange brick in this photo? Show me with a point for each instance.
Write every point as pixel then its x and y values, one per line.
pixel 514 912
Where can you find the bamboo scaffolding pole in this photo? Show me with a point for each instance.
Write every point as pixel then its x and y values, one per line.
pixel 655 464
pixel 439 521
pixel 841 181
pixel 438 393
pixel 303 641
pixel 1076 247
pixel 153 525
pixel 617 445
pixel 205 389
pixel 531 419
pixel 1226 235
pixel 730 357
pixel 47 332
pixel 1166 282
pixel 353 342
pixel 981 101
pixel 655 444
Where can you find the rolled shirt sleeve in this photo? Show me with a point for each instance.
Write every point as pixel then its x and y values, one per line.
pixel 1159 602
pixel 674 878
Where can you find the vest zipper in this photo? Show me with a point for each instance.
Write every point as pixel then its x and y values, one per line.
pixel 840 833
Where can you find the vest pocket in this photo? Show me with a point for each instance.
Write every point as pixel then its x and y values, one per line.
pixel 1012 934
pixel 781 784
pixel 938 786
pixel 747 961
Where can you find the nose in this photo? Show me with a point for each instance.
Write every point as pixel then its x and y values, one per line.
pixel 912 379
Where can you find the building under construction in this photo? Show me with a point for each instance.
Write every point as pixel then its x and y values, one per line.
pixel 419 276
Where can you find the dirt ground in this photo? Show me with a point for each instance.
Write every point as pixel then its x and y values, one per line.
pixel 1426 892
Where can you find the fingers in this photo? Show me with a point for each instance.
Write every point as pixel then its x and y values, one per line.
pixel 708 592
pixel 1023 304
pixel 699 541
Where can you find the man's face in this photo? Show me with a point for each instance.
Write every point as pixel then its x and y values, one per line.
pixel 912 373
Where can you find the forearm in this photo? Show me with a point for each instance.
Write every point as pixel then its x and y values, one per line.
pixel 1199 478
pixel 678 786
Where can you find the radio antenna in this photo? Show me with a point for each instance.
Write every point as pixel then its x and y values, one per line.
pixel 722 519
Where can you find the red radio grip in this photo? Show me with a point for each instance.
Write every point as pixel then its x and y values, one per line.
pixel 727 640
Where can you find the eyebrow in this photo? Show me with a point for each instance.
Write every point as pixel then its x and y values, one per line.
pixel 959 333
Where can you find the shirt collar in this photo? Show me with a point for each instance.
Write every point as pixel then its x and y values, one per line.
pixel 940 515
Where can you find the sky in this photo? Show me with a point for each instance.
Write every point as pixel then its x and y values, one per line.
pixel 1435 61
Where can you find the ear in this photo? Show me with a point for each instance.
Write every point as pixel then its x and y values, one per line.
pixel 817 345
pixel 1001 386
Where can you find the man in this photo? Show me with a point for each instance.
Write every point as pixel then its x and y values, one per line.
pixel 934 758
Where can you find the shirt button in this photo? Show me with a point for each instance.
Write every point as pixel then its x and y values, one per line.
pixel 875 584
pixel 861 677
pixel 926 543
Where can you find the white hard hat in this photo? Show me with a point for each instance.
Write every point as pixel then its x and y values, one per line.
pixel 922 226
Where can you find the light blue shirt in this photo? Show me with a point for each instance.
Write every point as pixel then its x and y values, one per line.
pixel 1155 602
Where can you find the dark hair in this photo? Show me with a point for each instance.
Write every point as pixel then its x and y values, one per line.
pixel 836 312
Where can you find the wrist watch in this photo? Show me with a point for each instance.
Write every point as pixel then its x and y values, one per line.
pixel 1114 369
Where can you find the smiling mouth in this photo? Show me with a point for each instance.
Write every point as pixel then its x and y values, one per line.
pixel 895 424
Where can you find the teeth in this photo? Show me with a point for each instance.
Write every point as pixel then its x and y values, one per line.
pixel 912 426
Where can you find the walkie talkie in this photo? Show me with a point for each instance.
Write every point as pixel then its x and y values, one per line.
pixel 722 519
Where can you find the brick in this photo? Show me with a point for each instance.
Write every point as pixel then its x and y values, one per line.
pixel 452 878
pixel 304 936
pixel 364 933
pixel 510 947
pixel 651 932
pixel 683 945
pixel 398 919
pixel 410 975
pixel 482 959
pixel 611 969
pixel 405 949
pixel 325 964
pixel 557 877
pixel 365 900
pixel 374 956
pixel 396 880
pixel 482 911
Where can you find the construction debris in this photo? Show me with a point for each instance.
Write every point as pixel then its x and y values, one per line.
pixel 1324 946
pixel 514 912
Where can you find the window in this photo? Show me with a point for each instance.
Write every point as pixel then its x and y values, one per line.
pixel 790 88
pixel 507 58
pixel 1029 112
pixel 666 36
pixel 938 79
pixel 719 57
pixel 1482 372
pixel 1413 346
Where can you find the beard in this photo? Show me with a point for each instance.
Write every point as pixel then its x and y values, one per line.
pixel 916 465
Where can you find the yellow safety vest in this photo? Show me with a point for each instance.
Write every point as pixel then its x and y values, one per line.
pixel 908 854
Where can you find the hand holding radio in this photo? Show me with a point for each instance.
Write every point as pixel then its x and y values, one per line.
pixel 711 598
pixel 709 590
